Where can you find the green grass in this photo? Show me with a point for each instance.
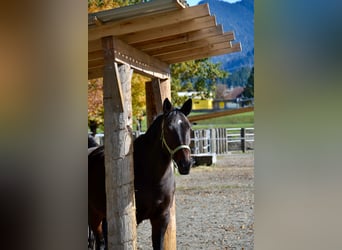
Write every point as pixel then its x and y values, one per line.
pixel 243 120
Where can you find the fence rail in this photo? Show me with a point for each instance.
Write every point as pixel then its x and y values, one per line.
pixel 215 140
pixel 222 140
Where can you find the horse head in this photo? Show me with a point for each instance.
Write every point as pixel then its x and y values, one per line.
pixel 175 134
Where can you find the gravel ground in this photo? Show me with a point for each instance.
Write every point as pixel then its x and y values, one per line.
pixel 214 206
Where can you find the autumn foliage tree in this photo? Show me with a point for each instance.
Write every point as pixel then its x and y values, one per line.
pixel 95 104
pixel 95 86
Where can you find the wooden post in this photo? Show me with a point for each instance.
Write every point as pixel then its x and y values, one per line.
pixel 151 111
pixel 193 142
pixel 118 151
pixel 170 238
pixel 156 91
pixel 243 140
pixel 225 144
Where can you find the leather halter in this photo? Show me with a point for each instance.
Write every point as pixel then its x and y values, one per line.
pixel 172 151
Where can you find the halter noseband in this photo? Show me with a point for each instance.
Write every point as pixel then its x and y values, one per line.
pixel 172 152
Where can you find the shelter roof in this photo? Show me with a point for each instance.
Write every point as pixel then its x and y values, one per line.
pixel 152 35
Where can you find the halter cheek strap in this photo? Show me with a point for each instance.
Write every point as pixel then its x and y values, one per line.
pixel 172 152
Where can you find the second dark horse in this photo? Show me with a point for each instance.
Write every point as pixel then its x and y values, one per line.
pixel 165 143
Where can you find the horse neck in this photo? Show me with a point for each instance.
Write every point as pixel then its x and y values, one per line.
pixel 161 159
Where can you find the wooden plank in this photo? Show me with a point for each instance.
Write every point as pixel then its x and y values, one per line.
pixel 98 63
pixel 95 73
pixel 156 91
pixel 170 237
pixel 165 88
pixel 195 51
pixel 110 76
pixel 95 55
pixel 219 114
pixel 118 140
pixel 235 48
pixel 150 107
pixel 180 38
pixel 159 20
pixel 94 45
pixel 157 95
pixel 140 61
pixel 170 30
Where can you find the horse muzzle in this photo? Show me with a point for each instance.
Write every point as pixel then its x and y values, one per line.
pixel 184 166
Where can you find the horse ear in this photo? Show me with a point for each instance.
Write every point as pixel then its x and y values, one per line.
pixel 187 107
pixel 167 106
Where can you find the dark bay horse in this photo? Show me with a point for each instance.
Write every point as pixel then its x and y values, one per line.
pixel 165 143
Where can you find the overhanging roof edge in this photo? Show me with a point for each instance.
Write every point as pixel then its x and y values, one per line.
pixel 136 10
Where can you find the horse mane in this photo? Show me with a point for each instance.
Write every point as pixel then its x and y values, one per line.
pixel 92 142
pixel 98 152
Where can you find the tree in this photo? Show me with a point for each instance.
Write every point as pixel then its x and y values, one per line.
pixel 220 91
pixel 97 5
pixel 239 77
pixel 202 75
pixel 95 104
pixel 138 98
pixel 249 89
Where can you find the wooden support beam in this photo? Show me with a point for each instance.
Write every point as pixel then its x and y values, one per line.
pixel 195 118
pixel 151 111
pixel 157 95
pixel 118 143
pixel 138 60
pixel 170 238
pixel 156 92
pixel 110 75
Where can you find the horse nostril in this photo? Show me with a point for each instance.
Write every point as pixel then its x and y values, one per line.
pixel 184 166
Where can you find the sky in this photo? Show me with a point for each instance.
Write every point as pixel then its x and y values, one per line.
pixel 195 2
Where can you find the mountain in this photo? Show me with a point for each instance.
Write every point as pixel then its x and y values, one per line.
pixel 237 17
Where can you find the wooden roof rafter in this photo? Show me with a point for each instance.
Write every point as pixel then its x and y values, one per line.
pixel 199 53
pixel 181 39
pixel 194 44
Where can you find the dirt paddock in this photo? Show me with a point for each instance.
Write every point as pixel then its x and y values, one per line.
pixel 214 206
